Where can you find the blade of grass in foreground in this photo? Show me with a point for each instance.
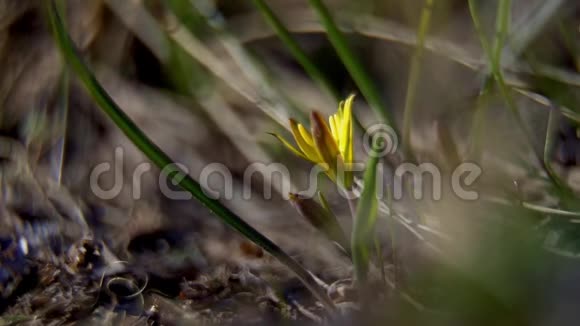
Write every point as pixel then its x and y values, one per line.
pixel 366 218
pixel 164 162
pixel 352 64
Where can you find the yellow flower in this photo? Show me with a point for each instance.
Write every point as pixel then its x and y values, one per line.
pixel 328 145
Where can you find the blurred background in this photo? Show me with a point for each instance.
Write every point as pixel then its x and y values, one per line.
pixel 208 81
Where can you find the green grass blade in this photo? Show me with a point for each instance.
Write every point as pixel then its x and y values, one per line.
pixel 364 224
pixel 352 64
pixel 163 161
pixel 480 107
pixel 414 77
pixel 494 54
pixel 473 10
pixel 502 29
pixel 282 32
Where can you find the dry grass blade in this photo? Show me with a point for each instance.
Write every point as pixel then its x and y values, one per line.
pixel 140 22
pixel 201 53
pixel 57 159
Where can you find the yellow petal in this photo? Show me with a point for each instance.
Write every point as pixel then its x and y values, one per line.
pixel 349 149
pixel 289 146
pixel 306 135
pixel 325 144
pixel 340 108
pixel 346 126
pixel 307 149
pixel 333 126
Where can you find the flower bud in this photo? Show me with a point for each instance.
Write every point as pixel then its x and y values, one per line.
pixel 321 218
